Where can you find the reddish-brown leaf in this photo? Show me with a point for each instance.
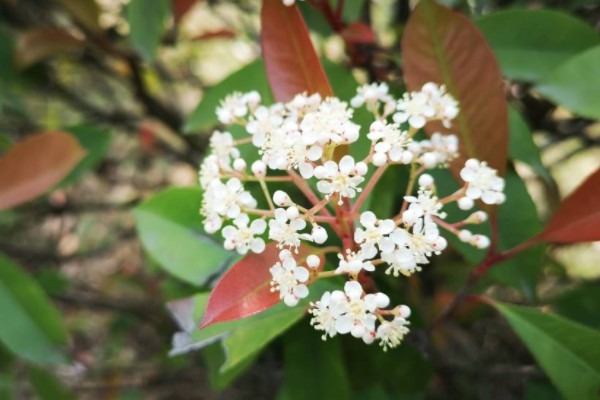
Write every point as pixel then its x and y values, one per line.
pixel 224 33
pixel 442 46
pixel 181 7
pixel 358 32
pixel 35 165
pixel 43 43
pixel 245 290
pixel 291 61
pixel 578 216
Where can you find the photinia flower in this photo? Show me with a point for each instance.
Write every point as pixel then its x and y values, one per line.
pixel 241 236
pixel 284 228
pixel 374 235
pixel 342 179
pixel 482 182
pixel 289 279
pixel 391 333
pixel 354 262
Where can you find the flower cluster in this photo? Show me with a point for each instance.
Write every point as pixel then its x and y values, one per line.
pixel 301 146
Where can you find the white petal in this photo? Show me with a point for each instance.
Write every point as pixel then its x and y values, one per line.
pixel 258 226
pixel 367 219
pixel 301 291
pixel 301 274
pixel 343 324
pixel 346 164
pixel 353 289
pixel 257 245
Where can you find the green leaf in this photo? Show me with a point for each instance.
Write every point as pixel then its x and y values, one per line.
pixel 313 369
pixel 7 374
pixel 147 24
pixel 531 43
pixel 47 387
pixel 95 142
pixel 581 305
pixel 575 84
pixel 250 77
pixel 521 146
pixel 31 327
pixel 567 351
pixel 170 230
pixel 518 221
pixel 214 356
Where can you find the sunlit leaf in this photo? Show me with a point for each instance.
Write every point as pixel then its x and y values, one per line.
pixel 291 61
pixel 577 218
pixel 575 83
pixel 567 351
pixel 43 43
pixel 170 230
pixel 33 166
pixel 440 45
pixel 31 327
pixel 244 290
pixel 530 43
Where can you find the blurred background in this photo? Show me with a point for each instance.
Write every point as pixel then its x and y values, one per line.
pixel 90 68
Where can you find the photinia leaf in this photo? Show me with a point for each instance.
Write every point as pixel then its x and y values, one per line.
pixel 521 145
pixel 170 230
pixel 39 44
pixel 292 64
pixel 35 165
pixel 31 327
pixel 567 351
pixel 147 23
pixel 578 216
pixel 358 32
pixel 181 7
pixel 531 43
pixel 244 289
pixel 442 46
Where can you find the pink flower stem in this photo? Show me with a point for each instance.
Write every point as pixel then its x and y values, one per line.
pixel 367 190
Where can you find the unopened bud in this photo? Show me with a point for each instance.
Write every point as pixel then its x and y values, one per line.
pixel 282 199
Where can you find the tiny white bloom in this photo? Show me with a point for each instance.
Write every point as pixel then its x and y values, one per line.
pixel 357 316
pixel 425 205
pixel 326 311
pixel 482 182
pixel 374 235
pixel 226 199
pixel 241 236
pixel 284 228
pixel 232 108
pixel 289 279
pixel 371 95
pixel 391 333
pixel 438 150
pixel 342 179
pixel 209 171
pixel 390 143
pixel 353 262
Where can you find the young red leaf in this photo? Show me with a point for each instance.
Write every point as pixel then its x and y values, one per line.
pixel 578 216
pixel 43 43
pixel 35 165
pixel 181 7
pixel 291 61
pixel 359 32
pixel 245 289
pixel 442 46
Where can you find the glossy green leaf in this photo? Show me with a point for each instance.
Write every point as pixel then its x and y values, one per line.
pixel 530 43
pixel 147 24
pixel 31 327
pixel 214 356
pixel 170 230
pixel 518 221
pixel 313 368
pixel 47 386
pixel 95 141
pixel 521 146
pixel 250 77
pixel 575 84
pixel 567 351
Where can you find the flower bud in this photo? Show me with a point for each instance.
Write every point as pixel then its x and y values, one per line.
pixel 313 261
pixel 239 165
pixel 480 241
pixel 382 300
pixel 319 234
pixel 379 159
pixel 360 168
pixel 259 168
pixel 282 199
pixel 404 311
pixel 477 217
pixel 426 180
pixel 292 212
pixel 429 160
pixel 465 203
pixel 465 236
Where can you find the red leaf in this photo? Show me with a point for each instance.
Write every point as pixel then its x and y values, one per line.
pixel 245 290
pixel 43 43
pixel 442 46
pixel 578 216
pixel 224 33
pixel 358 32
pixel 181 7
pixel 35 165
pixel 291 61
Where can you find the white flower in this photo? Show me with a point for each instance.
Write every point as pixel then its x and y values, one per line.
pixel 303 103
pixel 425 205
pixel 390 334
pixel 371 95
pixel 375 234
pixel 289 279
pixel 209 171
pixel 265 121
pixel 241 236
pixel 330 123
pixel 232 107
pixel 445 106
pixel 390 143
pixel 356 313
pixel 438 150
pixel 226 199
pixel 482 182
pixel 343 179
pixel 284 228
pixel 353 263
pixel 326 311
pixel 221 144
pixel 432 102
